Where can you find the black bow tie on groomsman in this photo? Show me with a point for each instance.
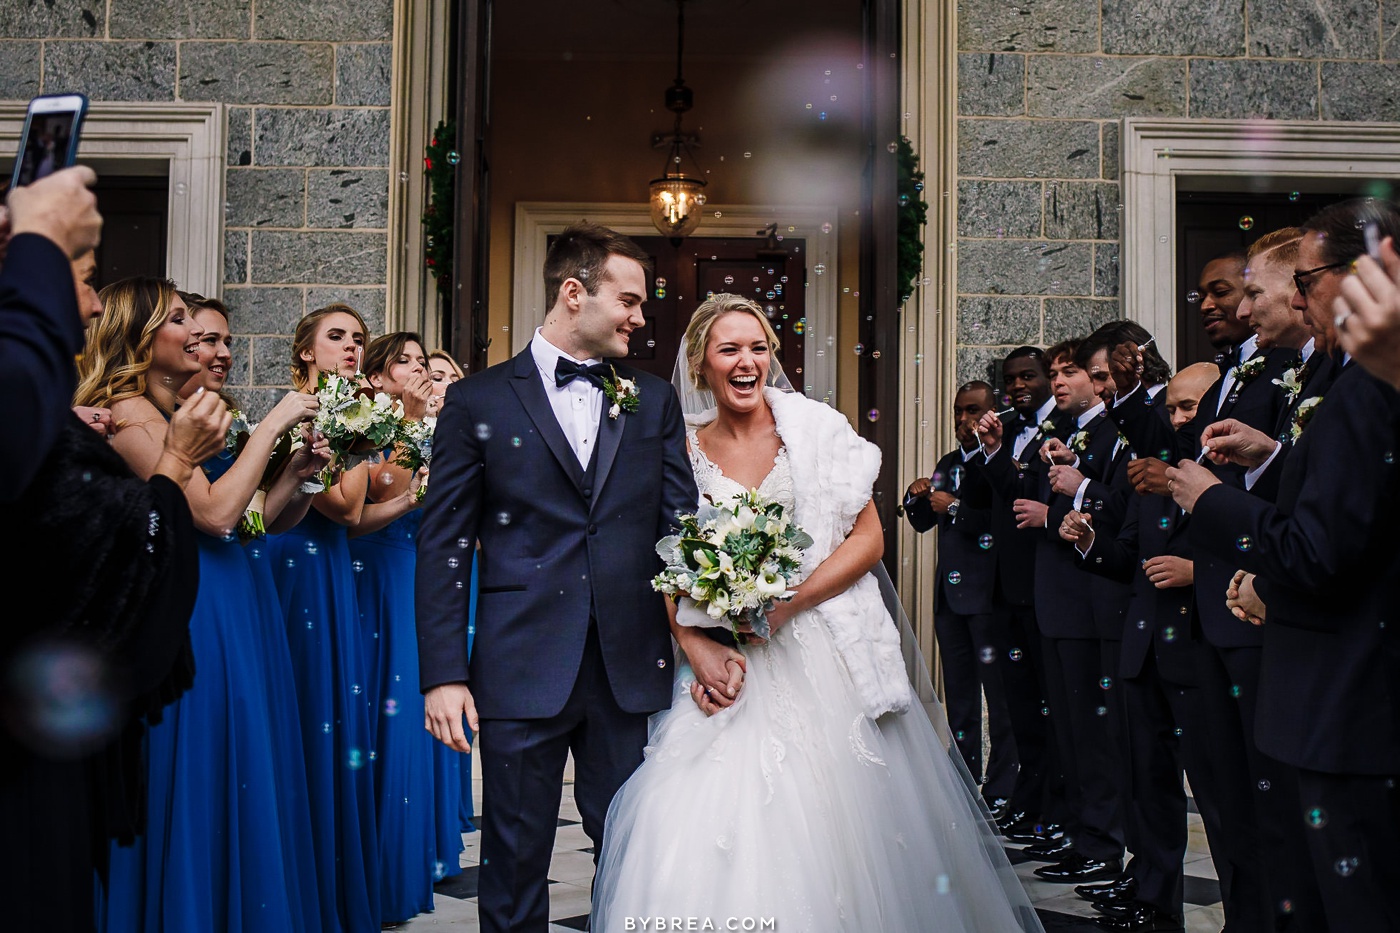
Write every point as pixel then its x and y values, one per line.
pixel 1227 358
pixel 566 371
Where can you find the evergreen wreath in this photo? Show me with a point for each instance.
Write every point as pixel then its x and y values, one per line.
pixel 910 217
pixel 440 168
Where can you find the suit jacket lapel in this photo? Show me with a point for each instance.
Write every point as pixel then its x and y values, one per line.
pixel 530 390
pixel 609 438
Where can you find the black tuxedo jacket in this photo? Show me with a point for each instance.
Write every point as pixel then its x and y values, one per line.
pixel 1329 571
pixel 962 555
pixel 1107 501
pixel 1009 480
pixel 1062 603
pixel 558 546
pixel 1162 620
pixel 40 331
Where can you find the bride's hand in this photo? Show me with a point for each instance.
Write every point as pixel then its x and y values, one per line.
pixel 719 669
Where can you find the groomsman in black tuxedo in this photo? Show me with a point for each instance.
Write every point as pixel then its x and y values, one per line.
pixel 1093 845
pixel 1034 813
pixel 958 502
pixel 1159 687
pixel 1256 799
pixel 1329 573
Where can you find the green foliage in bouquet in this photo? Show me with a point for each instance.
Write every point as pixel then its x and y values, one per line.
pixel 733 559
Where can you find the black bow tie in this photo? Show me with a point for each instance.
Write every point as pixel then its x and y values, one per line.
pixel 1227 358
pixel 566 371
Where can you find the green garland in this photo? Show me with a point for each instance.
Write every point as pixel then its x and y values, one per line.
pixel 910 186
pixel 440 167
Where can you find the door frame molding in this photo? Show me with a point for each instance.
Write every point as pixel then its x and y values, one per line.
pixel 536 220
pixel 185 142
pixel 1157 153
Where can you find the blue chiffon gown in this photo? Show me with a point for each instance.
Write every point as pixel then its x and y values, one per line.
pixel 311 566
pixel 420 839
pixel 227 842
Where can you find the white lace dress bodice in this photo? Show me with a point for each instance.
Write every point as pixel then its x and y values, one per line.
pixel 710 479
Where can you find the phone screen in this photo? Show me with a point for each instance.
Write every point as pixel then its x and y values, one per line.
pixel 49 142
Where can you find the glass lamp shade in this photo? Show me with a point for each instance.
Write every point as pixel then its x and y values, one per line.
pixel 675 204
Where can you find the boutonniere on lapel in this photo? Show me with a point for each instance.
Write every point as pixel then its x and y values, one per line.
pixel 1248 371
pixel 623 395
pixel 1302 416
pixel 1079 441
pixel 1047 427
pixel 1291 382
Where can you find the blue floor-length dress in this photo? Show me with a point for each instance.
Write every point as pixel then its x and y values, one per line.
pixel 227 843
pixel 311 565
pixel 419 838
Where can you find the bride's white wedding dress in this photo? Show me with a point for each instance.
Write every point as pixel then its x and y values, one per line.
pixel 794 804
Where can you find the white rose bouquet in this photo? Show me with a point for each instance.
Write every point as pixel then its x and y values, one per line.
pixel 250 525
pixel 356 423
pixel 730 561
pixel 415 446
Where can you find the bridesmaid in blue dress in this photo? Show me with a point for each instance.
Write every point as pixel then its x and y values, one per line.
pixel 217 854
pixel 407 770
pixel 311 566
pixel 443 370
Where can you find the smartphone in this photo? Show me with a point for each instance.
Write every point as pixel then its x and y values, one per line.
pixel 49 140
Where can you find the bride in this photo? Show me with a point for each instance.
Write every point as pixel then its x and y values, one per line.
pixel 822 797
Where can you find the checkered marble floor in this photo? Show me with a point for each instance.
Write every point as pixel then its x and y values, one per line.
pixel 571 874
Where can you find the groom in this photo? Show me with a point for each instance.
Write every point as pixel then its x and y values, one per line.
pixel 567 472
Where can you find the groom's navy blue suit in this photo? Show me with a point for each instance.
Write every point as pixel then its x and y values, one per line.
pixel 572 651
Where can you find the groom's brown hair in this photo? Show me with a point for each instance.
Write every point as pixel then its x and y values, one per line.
pixel 581 252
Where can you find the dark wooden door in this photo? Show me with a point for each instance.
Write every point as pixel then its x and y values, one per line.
pixel 467 316
pixel 134 226
pixel 1211 224
pixel 699 267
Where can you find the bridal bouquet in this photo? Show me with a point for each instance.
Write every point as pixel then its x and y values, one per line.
pixel 250 525
pixel 355 422
pixel 730 561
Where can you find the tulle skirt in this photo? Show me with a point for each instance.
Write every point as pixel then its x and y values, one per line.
pixel 793 806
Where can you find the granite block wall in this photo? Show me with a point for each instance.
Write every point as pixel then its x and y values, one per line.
pixel 1042 85
pixel 307 183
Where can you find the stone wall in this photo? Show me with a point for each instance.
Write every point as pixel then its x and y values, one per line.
pixel 308 130
pixel 1041 88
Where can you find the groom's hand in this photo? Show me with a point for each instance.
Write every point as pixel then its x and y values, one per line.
pixel 719 669
pixel 443 709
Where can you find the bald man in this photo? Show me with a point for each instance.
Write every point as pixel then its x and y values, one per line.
pixel 1186 389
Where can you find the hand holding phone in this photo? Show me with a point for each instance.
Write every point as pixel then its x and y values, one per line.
pixel 60 208
pixel 49 140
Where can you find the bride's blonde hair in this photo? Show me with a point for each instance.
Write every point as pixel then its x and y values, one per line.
pixel 697 332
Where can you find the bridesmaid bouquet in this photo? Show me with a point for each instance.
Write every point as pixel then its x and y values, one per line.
pixel 415 444
pixel 356 422
pixel 250 525
pixel 730 561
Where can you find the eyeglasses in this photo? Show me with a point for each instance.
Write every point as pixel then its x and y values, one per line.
pixel 1302 279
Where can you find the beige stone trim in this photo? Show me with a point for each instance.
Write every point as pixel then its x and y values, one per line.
pixel 1256 154
pixel 928 352
pixel 535 221
pixel 422 43
pixel 184 142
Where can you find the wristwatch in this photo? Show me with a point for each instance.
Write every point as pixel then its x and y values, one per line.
pixel 953 508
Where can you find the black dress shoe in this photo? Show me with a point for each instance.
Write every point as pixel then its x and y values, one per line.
pixel 1077 869
pixel 1049 851
pixel 1141 918
pixel 1016 819
pixel 1107 889
pixel 998 807
pixel 1117 897
pixel 1035 833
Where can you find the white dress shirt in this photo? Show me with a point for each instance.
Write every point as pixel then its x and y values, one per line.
pixel 1028 432
pixel 1227 382
pixel 578 406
